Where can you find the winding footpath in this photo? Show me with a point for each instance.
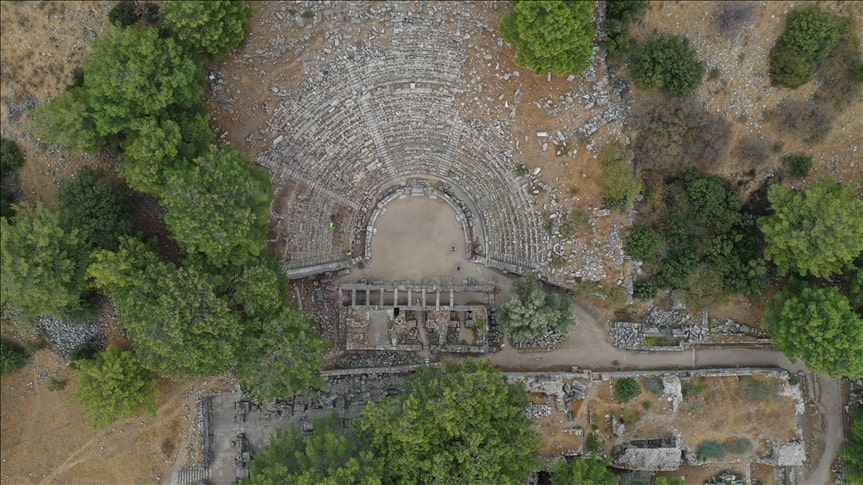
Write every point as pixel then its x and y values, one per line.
pixel 587 346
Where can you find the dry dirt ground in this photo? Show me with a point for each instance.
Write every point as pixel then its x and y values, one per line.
pixel 43 41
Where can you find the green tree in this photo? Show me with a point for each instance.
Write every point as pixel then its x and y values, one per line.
pixel 818 326
pixel 619 14
pixel 626 389
pixel 531 312
pixel 667 62
pixel 98 209
pixel 219 207
pixel 810 33
pixel 134 73
pixel 179 324
pixel 281 355
pixel 588 470
pixel 114 385
pixel 457 423
pixel 550 35
pixel 815 232
pixel 853 450
pixel 41 265
pixel 68 120
pixel 12 357
pixel 669 481
pixel 330 456
pixel 215 27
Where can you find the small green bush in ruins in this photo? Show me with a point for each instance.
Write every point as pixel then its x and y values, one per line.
pixel 626 389
pixel 667 62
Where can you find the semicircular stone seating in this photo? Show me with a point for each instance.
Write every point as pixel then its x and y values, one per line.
pixel 378 121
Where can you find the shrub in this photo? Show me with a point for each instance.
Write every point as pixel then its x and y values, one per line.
pixel 808 121
pixel 124 14
pixel 711 449
pixel 688 389
pixel 55 384
pixel 653 385
pixel 592 442
pixel 616 296
pixel 626 389
pixel 798 164
pixel 645 289
pixel 618 15
pixel 667 62
pixel 810 33
pixel 619 185
pixel 12 357
pixel 642 242
pixel 11 158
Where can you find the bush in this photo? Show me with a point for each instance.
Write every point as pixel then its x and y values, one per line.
pixel 11 158
pixel 626 389
pixel 653 385
pixel 667 62
pixel 798 164
pixel 645 289
pixel 55 384
pixel 12 357
pixel 810 33
pixel 642 242
pixel 124 14
pixel 618 15
pixel 592 442
pixel 616 296
pixel 711 449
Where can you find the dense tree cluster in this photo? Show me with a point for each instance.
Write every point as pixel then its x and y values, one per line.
pixel 215 27
pixel 532 312
pixel 457 423
pixel 217 307
pixel 698 239
pixel 11 159
pixel 550 35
